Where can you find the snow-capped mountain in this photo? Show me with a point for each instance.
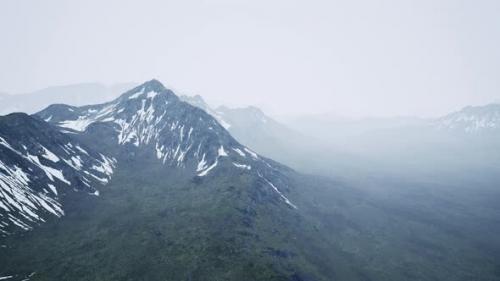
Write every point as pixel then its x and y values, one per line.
pixel 230 118
pixel 472 119
pixel 38 165
pixel 253 128
pixel 199 102
pixel 152 119
pixel 185 200
pixel 39 162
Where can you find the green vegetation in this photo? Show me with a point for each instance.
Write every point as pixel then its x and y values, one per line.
pixel 161 224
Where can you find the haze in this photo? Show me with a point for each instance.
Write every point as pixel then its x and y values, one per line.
pixel 353 58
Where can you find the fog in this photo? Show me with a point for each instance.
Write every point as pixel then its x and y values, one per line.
pixel 337 140
pixel 355 58
pixel 355 91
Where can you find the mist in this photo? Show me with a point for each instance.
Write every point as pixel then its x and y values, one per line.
pixel 356 59
pixel 249 140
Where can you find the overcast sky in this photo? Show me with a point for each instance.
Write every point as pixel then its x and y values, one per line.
pixel 354 58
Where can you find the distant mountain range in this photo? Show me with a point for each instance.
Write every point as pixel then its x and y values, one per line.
pixel 147 186
pixel 255 129
pixel 472 119
pixel 76 94
pixel 320 144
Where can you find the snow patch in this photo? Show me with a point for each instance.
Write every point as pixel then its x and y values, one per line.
pixel 50 172
pixel 52 188
pixel 202 164
pixel 254 155
pixel 49 155
pixel 205 172
pixel 221 151
pixel 279 192
pixel 242 166
pixel 241 153
pixel 136 95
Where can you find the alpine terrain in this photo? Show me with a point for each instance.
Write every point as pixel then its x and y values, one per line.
pixel 150 187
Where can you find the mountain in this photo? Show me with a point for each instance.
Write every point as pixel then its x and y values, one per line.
pixel 187 201
pixel 199 102
pixel 472 120
pixel 258 131
pixel 254 128
pixel 344 148
pixel 235 119
pixel 329 127
pixel 38 165
pixel 463 144
pixel 152 119
pixel 172 161
pixel 76 94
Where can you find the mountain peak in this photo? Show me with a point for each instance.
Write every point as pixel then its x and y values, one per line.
pixel 149 89
pixel 482 109
pixel 154 84
pixel 472 119
pixel 152 121
pixel 196 101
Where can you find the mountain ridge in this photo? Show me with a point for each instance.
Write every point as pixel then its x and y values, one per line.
pixel 154 117
pixel 472 119
pixel 37 166
pixel 187 201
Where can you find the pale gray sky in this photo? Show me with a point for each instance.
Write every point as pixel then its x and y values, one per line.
pixel 355 58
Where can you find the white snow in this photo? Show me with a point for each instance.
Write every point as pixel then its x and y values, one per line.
pixel 221 151
pixel 102 180
pixel 202 164
pixel 241 153
pixel 106 166
pixel 50 172
pixel 20 174
pixel 254 155
pixel 77 125
pixel 6 144
pixel 136 95
pixel 151 95
pixel 223 122
pixel 279 192
pixel 205 172
pixel 52 188
pixel 16 195
pixel 49 155
pixel 77 162
pixel 471 120
pixel 159 151
pixel 54 209
pixel 19 223
pixel 3 206
pixel 242 166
